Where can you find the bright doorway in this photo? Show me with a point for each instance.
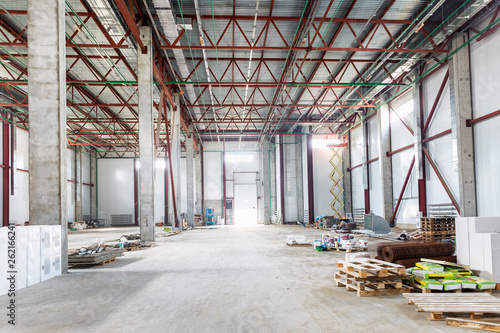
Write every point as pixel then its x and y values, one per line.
pixel 245 204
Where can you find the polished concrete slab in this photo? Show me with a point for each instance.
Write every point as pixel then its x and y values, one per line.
pixel 212 280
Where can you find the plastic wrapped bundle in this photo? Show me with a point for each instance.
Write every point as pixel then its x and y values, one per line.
pixel 424 250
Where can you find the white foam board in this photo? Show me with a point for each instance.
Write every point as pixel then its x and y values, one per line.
pixel 21 257
pixel 484 224
pixel 4 284
pixel 462 232
pixel 45 252
pixel 34 270
pixel 56 251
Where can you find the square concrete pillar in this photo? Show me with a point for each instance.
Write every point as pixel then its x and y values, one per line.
pixel 146 138
pixel 47 117
pixel 190 178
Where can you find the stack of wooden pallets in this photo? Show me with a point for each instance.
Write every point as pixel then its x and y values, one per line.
pixel 475 305
pixel 437 229
pixel 371 277
pixel 198 220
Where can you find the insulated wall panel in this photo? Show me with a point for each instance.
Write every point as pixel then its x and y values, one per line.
pixel 34 248
pixel 485 77
pixel 4 284
pixel 322 182
pixel 21 257
pixel 115 187
pixel 19 202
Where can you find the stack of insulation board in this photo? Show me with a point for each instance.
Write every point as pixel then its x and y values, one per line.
pixel 37 255
pixel 432 276
pixel 478 245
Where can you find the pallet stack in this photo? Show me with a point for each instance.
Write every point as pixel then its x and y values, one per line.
pixel 198 220
pixel 371 277
pixel 475 305
pixel 437 229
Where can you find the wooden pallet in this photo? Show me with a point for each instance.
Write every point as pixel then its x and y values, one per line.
pixel 298 245
pixel 373 266
pixel 430 291
pixel 371 277
pixel 132 248
pixel 347 250
pixel 370 288
pixel 107 262
pixel 473 304
pixel 436 220
pixel 474 324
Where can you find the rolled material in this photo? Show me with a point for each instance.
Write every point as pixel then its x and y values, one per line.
pixel 411 262
pixel 381 246
pixel 424 250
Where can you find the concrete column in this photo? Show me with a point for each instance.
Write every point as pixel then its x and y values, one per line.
pixel 198 179
pixel 93 189
pixel 418 118
pixel 47 121
pixel 299 182
pixel 346 156
pixel 78 187
pixel 175 152
pixel 190 178
pixel 385 161
pixel 462 136
pixel 146 135
pixel 366 179
pixel 266 182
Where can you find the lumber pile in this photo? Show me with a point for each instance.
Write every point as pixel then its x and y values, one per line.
pixel 371 277
pixel 431 275
pixel 473 304
pixel 437 229
pixel 105 256
pixel 485 325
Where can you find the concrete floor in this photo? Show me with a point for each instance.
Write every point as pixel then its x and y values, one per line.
pixel 213 280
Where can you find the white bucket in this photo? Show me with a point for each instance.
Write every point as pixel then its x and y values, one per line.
pixel 347 243
pixel 362 243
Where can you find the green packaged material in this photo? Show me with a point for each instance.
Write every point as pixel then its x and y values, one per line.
pixel 483 284
pixel 450 284
pixel 457 270
pixel 411 269
pixel 429 275
pixel 466 283
pixel 430 283
pixel 431 267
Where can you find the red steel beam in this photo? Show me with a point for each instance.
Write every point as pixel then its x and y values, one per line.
pixel 299 48
pixel 436 101
pixel 131 24
pixel 471 122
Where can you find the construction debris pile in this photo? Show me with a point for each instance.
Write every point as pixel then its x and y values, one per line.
pixel 430 275
pixel 96 253
pixel 132 242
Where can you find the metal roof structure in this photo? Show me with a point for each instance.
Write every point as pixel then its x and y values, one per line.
pixel 244 69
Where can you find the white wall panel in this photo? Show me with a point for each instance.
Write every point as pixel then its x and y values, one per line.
pixel 485 76
pixel 358 198
pixel 19 203
pixel 373 138
pixel 408 209
pixel 400 135
pixel 441 120
pixel 160 190
pixel 440 150
pixel 183 186
pixel 291 179
pixel 356 146
pixel 376 193
pixel 115 187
